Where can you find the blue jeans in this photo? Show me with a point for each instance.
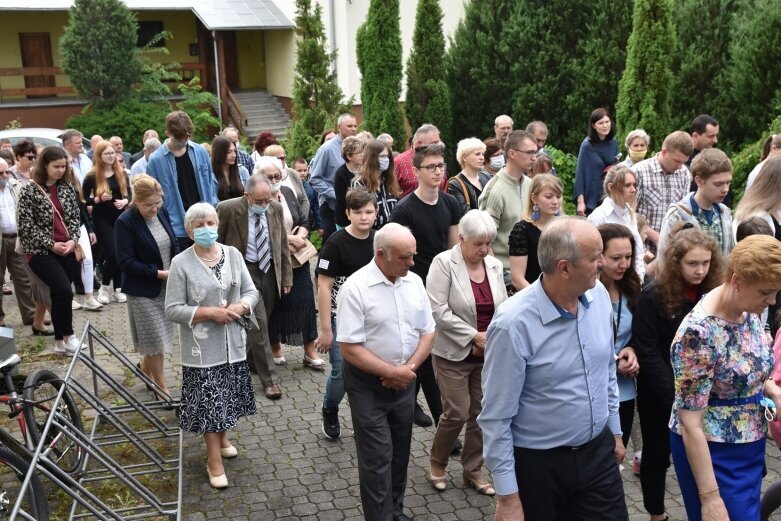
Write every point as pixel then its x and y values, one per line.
pixel 334 386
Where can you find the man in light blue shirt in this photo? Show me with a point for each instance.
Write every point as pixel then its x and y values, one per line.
pixel 551 431
pixel 323 167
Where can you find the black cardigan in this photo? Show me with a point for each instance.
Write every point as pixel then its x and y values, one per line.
pixel 653 332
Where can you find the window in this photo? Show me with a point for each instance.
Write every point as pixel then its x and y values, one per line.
pixel 147 31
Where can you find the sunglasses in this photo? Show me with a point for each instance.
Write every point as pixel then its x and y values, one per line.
pixel 31 157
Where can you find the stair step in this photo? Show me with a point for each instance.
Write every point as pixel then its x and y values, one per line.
pixel 264 113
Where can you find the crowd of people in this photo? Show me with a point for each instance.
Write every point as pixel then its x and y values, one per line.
pixel 539 335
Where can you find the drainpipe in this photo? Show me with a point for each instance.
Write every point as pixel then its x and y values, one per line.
pixel 332 17
pixel 217 75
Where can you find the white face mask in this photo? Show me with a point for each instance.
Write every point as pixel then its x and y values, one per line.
pixel 276 187
pixel 497 162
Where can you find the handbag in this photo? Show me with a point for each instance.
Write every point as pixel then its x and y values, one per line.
pixel 300 257
pixel 78 251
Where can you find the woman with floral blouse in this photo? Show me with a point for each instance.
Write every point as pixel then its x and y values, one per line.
pixel 722 362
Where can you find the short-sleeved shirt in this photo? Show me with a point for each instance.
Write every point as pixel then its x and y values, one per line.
pixel 185 179
pixel 523 242
pixel 387 318
pixel 341 256
pixel 714 359
pixel 430 224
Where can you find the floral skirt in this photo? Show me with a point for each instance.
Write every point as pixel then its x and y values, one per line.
pixel 214 398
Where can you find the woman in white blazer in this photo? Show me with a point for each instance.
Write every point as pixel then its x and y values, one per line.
pixel 465 285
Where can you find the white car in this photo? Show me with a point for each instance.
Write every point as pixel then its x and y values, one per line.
pixel 39 136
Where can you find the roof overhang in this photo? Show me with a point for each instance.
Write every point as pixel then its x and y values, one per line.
pixel 216 15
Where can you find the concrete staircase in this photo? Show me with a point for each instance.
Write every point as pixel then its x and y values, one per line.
pixel 264 113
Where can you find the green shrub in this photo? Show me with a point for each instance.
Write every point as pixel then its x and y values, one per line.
pixel 565 164
pixel 128 120
pixel 744 162
pixel 199 105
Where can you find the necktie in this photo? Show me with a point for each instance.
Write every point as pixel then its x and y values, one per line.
pixel 264 249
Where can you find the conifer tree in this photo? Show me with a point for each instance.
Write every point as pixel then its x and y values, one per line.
pixel 99 54
pixel 428 95
pixel 644 90
pixel 378 46
pixel 478 69
pixel 317 98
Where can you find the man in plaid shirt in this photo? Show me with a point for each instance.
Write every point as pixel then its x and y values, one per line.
pixel 427 134
pixel 661 181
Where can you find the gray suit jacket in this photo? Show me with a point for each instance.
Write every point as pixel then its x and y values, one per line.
pixel 453 303
pixel 234 228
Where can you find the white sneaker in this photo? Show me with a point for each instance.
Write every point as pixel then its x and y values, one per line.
pixel 75 344
pixel 92 305
pixel 75 305
pixel 67 348
pixel 104 295
pixel 118 296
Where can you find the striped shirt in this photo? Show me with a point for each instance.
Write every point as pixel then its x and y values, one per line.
pixel 657 189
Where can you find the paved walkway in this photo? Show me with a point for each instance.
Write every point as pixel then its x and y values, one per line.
pixel 287 470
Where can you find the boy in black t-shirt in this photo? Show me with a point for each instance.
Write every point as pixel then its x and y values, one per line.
pixel 344 253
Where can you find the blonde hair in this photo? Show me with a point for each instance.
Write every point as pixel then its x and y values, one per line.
pixel 144 187
pixel 756 259
pixel 762 197
pixel 274 150
pixel 99 171
pixel 467 147
pixel 542 182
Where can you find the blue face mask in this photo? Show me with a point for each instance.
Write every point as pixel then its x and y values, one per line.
pixel 384 163
pixel 257 209
pixel 205 236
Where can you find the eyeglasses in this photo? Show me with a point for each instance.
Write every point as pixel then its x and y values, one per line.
pixel 530 153
pixel 275 177
pixel 30 157
pixel 282 158
pixel 150 206
pixel 108 154
pixel 433 168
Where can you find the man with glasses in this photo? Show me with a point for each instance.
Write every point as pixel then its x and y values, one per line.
pixel 183 169
pixel 402 164
pixel 432 216
pixel 503 125
pixel 253 224
pixel 506 194
pixel 9 194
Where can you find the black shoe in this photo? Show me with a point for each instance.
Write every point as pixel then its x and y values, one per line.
pixel 457 446
pixel 422 419
pixel 402 517
pixel 331 427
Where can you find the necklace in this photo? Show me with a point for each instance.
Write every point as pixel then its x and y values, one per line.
pixel 212 259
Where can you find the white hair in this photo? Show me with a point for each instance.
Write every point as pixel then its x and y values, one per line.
pixel 266 163
pixel 386 236
pixel 197 212
pixel 639 133
pixel 499 118
pixel 477 224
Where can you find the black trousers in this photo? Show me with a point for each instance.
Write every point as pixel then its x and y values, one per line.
pixel 58 272
pixel 104 231
pixel 654 418
pixel 328 220
pixel 382 419
pixel 626 413
pixel 566 484
pixel 427 380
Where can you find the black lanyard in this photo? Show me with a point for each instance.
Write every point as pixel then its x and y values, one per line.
pixel 617 318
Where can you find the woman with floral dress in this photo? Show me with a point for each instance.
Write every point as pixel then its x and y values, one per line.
pixel 722 361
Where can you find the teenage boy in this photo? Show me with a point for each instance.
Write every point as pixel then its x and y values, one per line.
pixel 344 253
pixel 432 216
pixel 712 172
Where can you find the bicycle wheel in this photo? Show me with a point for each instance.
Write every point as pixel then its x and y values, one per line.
pixel 12 472
pixel 41 388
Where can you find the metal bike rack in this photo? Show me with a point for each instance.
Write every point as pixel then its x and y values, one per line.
pixel 112 404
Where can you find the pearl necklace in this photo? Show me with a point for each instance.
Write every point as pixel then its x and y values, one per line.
pixel 212 259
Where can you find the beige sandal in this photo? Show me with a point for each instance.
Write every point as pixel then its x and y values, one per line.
pixel 438 482
pixel 482 487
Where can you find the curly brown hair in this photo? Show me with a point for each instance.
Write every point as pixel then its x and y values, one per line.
pixel 670 281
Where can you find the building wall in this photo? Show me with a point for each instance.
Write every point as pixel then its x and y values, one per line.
pixel 345 18
pixel 182 26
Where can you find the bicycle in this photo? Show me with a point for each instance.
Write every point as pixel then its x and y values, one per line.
pixel 13 470
pixel 33 409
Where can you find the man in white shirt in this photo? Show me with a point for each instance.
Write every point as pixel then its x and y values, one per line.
pixel 139 167
pixel 385 331
pixel 74 146
pixel 9 190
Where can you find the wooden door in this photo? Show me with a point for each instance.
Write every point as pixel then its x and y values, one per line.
pixel 36 52
pixel 231 60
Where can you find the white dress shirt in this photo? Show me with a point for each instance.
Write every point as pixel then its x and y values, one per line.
pixel 387 318
pixel 7 211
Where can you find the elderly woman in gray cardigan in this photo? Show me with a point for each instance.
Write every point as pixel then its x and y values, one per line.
pixel 465 286
pixel 211 296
